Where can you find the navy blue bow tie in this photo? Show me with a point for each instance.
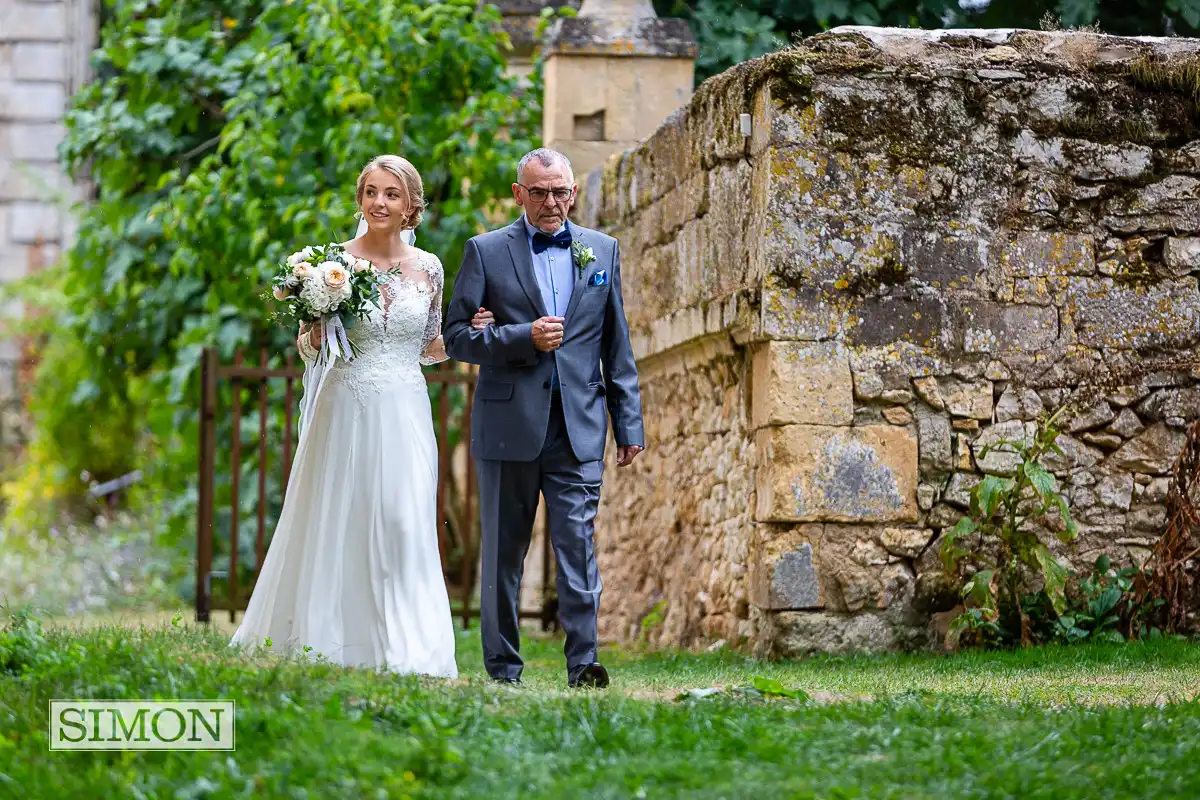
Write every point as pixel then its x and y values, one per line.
pixel 544 241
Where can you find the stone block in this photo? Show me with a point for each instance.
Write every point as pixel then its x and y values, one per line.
pixel 1041 254
pixel 1105 441
pixel 40 61
pixel 943 515
pixel 927 389
pixel 868 384
pixel 1183 402
pixel 33 102
pixel 804 633
pixel 987 327
pixel 1095 416
pixel 19 260
pixel 1093 161
pixel 786 580
pixel 898 415
pixel 1110 314
pixel 927 495
pixel 963 458
pixel 958 492
pixel 33 22
pixel 30 223
pixel 1181 255
pixel 969 399
pixel 1152 452
pixel 905 542
pixel 1022 404
pixel 933 434
pixel 1171 205
pixel 917 320
pixel 35 141
pixel 803 313
pixel 810 473
pixel 943 261
pixel 1115 491
pixel 812 249
pixel 1075 455
pixel 802 383
pixel 1001 457
pixel 1047 291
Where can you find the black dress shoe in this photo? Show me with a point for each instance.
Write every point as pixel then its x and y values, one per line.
pixel 588 676
pixel 508 681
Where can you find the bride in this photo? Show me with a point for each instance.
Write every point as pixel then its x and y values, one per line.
pixel 353 570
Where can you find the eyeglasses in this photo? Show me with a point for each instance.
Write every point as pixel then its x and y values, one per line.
pixel 540 195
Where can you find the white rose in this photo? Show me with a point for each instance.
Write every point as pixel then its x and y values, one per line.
pixel 300 256
pixel 303 271
pixel 362 265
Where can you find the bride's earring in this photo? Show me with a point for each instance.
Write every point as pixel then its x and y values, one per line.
pixel 358 214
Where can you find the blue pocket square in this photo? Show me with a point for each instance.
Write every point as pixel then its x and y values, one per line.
pixel 599 279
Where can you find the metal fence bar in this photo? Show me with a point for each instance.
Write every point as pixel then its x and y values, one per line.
pixel 235 493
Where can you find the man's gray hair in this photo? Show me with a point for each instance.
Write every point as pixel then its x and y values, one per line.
pixel 547 158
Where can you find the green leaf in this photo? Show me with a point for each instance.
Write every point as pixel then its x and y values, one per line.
pixel 1041 480
pixel 770 687
pixel 1064 512
pixel 988 496
pixel 949 551
pixel 1105 603
pixel 980 590
pixel 1055 577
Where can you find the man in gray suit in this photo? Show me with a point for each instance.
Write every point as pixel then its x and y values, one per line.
pixel 554 366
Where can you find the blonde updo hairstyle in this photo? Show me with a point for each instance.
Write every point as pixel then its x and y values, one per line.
pixel 409 178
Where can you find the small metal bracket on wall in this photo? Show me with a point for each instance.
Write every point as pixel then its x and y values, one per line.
pixel 746 124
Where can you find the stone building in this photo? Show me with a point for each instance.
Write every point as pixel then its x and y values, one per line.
pixel 44 48
pixel 925 240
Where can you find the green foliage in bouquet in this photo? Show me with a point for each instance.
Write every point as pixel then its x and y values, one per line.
pixel 221 135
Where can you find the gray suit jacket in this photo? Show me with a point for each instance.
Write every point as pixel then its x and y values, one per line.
pixel 596 369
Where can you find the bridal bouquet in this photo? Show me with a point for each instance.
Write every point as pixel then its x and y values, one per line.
pixel 327 283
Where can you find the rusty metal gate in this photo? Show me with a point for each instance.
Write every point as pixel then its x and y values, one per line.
pixel 273 395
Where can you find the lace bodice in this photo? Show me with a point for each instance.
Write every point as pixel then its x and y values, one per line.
pixel 399 336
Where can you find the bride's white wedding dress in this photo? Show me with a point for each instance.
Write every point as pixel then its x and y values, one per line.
pixel 353 570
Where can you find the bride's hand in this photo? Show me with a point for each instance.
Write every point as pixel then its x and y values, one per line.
pixel 314 331
pixel 482 319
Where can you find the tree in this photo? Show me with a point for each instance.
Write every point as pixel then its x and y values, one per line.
pixel 220 136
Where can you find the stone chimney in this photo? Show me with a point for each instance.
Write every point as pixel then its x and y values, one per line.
pixel 613 74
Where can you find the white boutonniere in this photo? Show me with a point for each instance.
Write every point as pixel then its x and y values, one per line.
pixel 583 256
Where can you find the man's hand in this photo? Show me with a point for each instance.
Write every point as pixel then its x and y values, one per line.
pixel 548 333
pixel 482 319
pixel 626 453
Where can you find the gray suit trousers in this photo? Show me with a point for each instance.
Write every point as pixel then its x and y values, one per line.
pixel 508 492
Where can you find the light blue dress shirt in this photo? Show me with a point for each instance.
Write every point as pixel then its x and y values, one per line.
pixel 555 272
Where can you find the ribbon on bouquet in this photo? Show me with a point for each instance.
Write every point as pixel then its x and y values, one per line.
pixel 334 342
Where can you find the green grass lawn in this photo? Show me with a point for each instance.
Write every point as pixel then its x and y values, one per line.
pixel 1111 721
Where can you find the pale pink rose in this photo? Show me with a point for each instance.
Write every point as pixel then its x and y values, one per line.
pixel 335 275
pixel 280 293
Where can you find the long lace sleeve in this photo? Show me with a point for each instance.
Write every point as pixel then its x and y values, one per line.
pixel 307 351
pixel 433 350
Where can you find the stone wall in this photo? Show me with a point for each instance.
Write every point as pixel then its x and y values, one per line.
pixel 927 240
pixel 44 47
